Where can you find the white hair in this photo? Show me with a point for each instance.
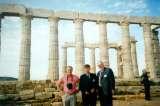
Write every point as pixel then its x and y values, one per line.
pixel 100 62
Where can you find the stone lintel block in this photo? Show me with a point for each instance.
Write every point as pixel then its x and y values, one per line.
pixel 26 94
pixel 57 104
pixel 15 10
pixel 43 95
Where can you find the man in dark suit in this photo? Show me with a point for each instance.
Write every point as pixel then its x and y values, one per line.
pixel 106 85
pixel 88 86
pixel 145 81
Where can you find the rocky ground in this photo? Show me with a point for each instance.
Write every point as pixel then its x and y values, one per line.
pixel 138 102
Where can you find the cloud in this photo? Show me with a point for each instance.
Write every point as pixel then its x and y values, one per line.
pixel 131 7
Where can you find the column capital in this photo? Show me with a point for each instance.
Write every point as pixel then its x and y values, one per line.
pixel 78 20
pixel 145 24
pixel 26 16
pixel 1 15
pixel 53 19
pixel 124 23
pixel 133 40
pixel 119 48
pixel 92 48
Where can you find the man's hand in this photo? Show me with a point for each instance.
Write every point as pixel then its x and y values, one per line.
pixel 92 90
pixel 113 91
pixel 86 93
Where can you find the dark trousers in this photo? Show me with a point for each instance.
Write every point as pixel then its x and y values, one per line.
pixel 105 100
pixel 89 99
pixel 147 92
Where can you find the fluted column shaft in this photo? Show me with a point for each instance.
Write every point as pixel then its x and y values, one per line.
pixel 92 58
pixel 119 63
pixel 0 31
pixel 79 49
pixel 134 57
pixel 156 51
pixel 149 58
pixel 156 47
pixel 126 48
pixel 103 43
pixel 53 71
pixel 25 51
pixel 64 59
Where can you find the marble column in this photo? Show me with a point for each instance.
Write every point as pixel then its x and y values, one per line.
pixel 92 58
pixel 103 43
pixel 156 47
pixel 53 68
pixel 79 46
pixel 156 52
pixel 0 32
pixel 119 63
pixel 126 48
pixel 149 58
pixel 25 51
pixel 134 56
pixel 1 17
pixel 64 59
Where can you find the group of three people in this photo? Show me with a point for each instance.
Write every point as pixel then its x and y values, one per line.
pixel 90 85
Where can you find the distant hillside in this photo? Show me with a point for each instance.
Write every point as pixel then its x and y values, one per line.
pixel 7 79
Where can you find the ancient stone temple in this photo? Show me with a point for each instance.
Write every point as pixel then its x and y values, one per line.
pixel 126 51
pixel 26 92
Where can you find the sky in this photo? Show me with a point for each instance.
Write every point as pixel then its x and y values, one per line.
pixel 11 32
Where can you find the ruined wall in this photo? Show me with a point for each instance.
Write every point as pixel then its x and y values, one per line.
pixel 36 93
pixel 45 93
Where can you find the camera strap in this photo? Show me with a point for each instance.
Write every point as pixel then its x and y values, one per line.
pixel 71 78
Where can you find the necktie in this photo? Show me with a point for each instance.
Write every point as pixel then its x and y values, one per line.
pixel 100 78
pixel 88 75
